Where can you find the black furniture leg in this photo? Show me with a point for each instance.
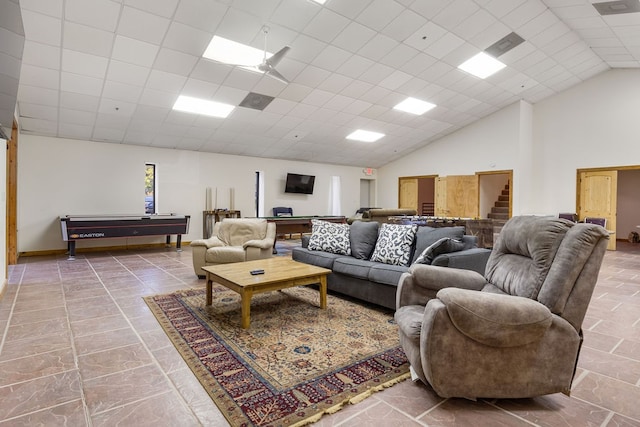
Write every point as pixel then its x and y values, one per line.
pixel 168 244
pixel 179 243
pixel 71 248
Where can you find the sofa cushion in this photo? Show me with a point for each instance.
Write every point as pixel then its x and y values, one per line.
pixel 386 273
pixel 394 244
pixel 444 245
pixel 329 237
pixel 427 236
pixel 225 254
pixel 363 236
pixel 350 266
pixel 317 258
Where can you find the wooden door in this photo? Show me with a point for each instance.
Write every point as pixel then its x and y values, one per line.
pixel 441 196
pixel 598 198
pixel 408 193
pixel 462 196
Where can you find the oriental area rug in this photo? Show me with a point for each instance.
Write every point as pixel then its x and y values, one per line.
pixel 295 363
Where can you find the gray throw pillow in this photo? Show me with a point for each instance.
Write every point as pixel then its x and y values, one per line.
pixel 427 236
pixel 363 237
pixel 443 246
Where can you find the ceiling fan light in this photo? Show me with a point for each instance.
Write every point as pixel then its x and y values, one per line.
pixel 205 107
pixel 234 53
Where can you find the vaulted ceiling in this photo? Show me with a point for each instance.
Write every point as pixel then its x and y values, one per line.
pixel 111 70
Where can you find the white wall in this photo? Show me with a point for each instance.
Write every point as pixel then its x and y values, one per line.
pixel 488 144
pixel 60 177
pixel 593 124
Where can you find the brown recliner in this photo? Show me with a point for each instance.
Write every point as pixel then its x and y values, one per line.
pixel 234 240
pixel 514 332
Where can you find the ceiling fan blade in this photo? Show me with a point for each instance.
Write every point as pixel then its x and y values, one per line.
pixel 274 59
pixel 276 75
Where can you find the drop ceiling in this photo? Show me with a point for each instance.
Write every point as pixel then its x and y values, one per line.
pixel 107 70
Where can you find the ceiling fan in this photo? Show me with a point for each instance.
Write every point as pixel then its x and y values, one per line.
pixel 268 65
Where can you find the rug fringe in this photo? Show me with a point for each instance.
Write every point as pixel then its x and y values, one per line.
pixel 352 401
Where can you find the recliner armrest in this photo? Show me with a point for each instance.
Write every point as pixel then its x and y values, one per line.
pixel 423 281
pixel 496 320
pixel 469 259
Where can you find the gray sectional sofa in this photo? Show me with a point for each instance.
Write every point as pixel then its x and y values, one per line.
pixel 356 275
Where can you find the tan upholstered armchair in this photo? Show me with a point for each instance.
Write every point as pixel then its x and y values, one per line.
pixel 234 240
pixel 516 332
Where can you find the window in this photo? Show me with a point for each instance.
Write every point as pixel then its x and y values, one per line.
pixel 150 189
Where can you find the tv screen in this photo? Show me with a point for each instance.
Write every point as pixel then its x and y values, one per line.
pixel 299 183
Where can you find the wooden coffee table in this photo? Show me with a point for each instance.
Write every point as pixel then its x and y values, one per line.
pixel 279 273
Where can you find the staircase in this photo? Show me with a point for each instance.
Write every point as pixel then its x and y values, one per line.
pixel 500 211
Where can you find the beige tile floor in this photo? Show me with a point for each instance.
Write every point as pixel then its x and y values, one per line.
pixel 80 347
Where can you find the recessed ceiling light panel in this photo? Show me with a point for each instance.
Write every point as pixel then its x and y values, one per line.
pixel 482 65
pixel 365 135
pixel 205 107
pixel 414 106
pixel 234 53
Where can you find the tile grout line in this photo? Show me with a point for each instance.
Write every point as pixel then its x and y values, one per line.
pixel 155 361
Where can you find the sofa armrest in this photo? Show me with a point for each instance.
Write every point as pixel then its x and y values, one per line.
pixel 266 243
pixel 423 282
pixel 496 320
pixel 305 240
pixel 211 242
pixel 469 259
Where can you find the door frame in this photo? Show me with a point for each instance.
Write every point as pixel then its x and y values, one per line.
pixel 418 177
pixel 600 169
pixel 508 172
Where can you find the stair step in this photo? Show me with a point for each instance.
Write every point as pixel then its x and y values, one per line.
pixel 504 216
pixel 503 198
pixel 502 204
pixel 500 209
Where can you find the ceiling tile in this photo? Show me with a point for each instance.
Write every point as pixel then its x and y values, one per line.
pixel 168 82
pixel 211 71
pixel 84 63
pixel 173 61
pixel 312 76
pixel 42 28
pixel 79 101
pixel 395 80
pixel 157 98
pixel 500 8
pixel 295 14
pixel 88 40
pixel 444 45
pixel 133 51
pixel 48 7
pixel 350 9
pixel 121 91
pixel 456 12
pixel 77 83
pixel 335 83
pixel 41 112
pixel 77 116
pixel 379 46
pixel 187 39
pixel 153 30
pixel 331 58
pixel 379 14
pixel 127 73
pixel 74 131
pixel 37 76
pixel 164 8
pixel 355 66
pixel 353 37
pixel 405 24
pixel 326 25
pixel 202 14
pixel 429 9
pixel 101 14
pixel 116 107
pixel 474 24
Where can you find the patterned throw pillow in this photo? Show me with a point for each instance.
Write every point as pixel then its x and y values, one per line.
pixel 444 245
pixel 394 244
pixel 329 237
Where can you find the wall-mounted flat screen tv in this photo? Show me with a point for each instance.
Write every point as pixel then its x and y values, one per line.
pixel 299 183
